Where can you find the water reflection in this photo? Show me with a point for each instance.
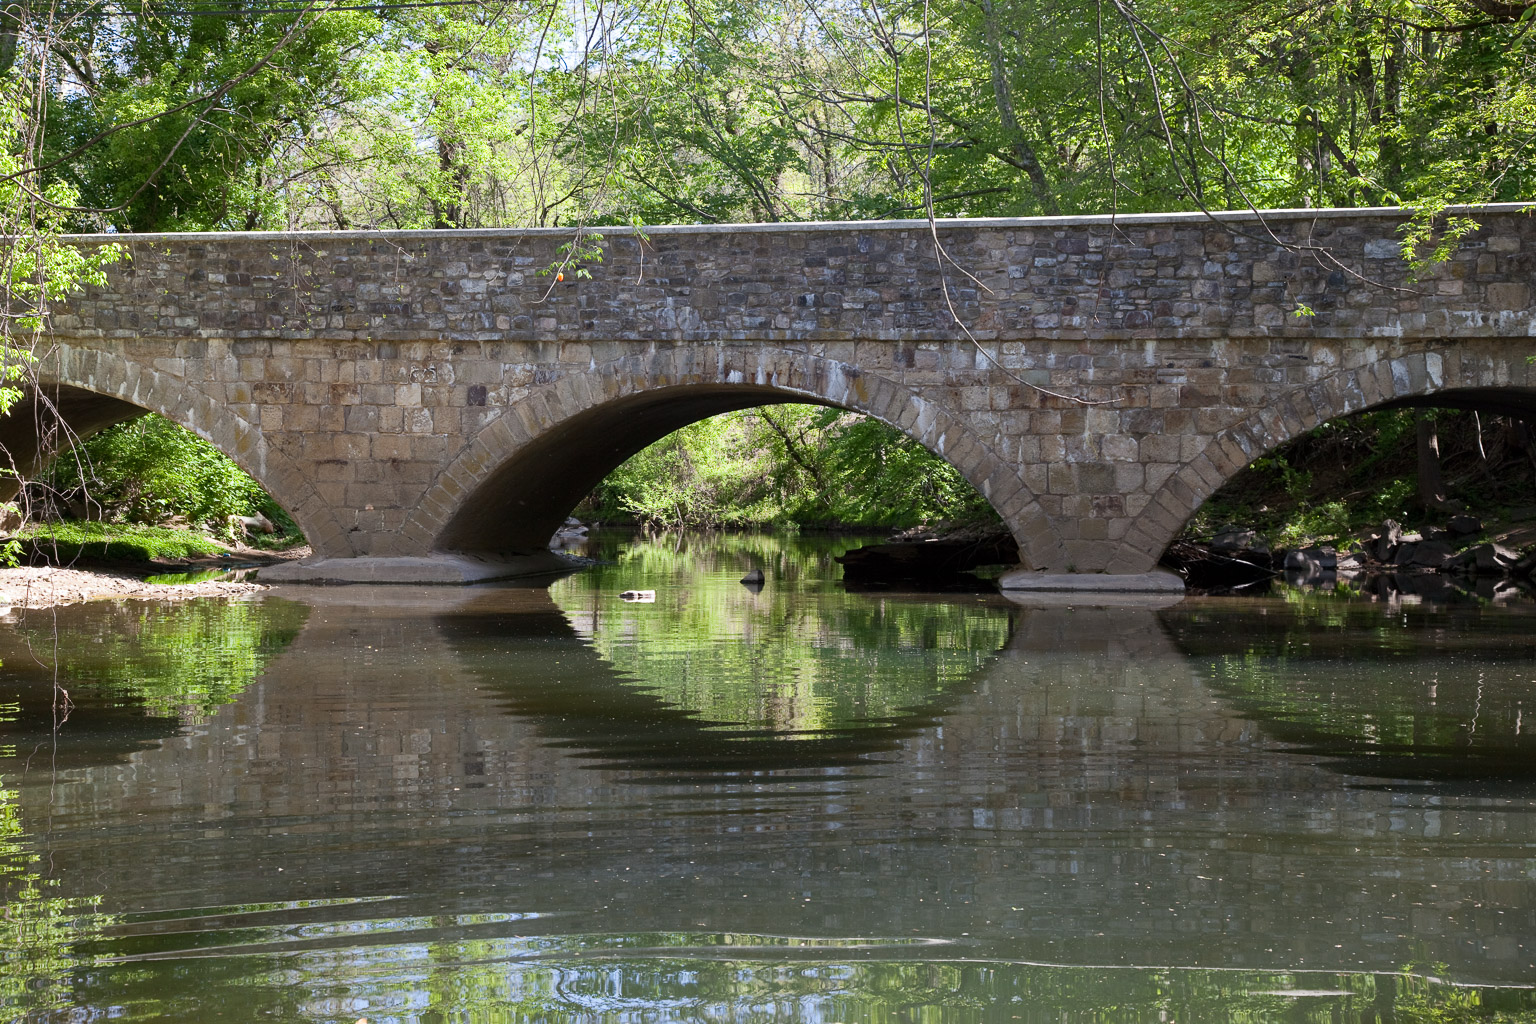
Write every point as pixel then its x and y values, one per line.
pixel 439 804
pixel 713 675
pixel 172 659
pixel 1433 692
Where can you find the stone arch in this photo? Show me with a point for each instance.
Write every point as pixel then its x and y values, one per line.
pixel 558 440
pixel 110 389
pixel 1490 377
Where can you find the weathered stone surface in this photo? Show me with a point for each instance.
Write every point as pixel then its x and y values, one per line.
pixel 404 393
pixel 1386 540
pixel 1159 581
pixel 1427 554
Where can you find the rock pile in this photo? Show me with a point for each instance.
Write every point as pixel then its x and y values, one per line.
pixel 1389 559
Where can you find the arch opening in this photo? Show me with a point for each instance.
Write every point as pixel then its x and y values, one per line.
pixel 78 455
pixel 527 497
pixel 1454 468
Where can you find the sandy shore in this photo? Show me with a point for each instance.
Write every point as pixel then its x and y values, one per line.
pixel 47 586
pixel 44 587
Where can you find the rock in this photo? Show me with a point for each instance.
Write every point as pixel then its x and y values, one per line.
pixel 572 531
pixel 926 559
pixel 1428 554
pixel 1313 559
pixel 1526 565
pixel 1464 525
pixel 1236 540
pixel 1487 560
pixel 1321 578
pixel 754 576
pixel 257 523
pixel 1312 566
pixel 1388 536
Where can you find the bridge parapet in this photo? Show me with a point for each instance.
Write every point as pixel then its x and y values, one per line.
pixel 1133 277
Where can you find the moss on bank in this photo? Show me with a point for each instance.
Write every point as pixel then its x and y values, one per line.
pixel 64 542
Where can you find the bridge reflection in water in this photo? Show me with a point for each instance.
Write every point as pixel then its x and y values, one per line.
pixel 1096 788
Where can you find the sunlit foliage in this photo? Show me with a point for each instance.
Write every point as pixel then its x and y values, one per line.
pixel 788 465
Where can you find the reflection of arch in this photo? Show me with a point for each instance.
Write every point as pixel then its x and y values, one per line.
pixel 93 390
pixel 1414 707
pixel 550 448
pixel 579 701
pixel 1418 379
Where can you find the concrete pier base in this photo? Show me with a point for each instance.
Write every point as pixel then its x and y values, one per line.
pixel 1159 581
pixel 443 568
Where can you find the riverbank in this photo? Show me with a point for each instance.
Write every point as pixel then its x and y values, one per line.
pixel 47 586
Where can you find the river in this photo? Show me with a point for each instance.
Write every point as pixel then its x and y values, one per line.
pixel 793 803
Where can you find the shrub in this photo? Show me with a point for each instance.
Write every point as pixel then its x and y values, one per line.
pixel 150 471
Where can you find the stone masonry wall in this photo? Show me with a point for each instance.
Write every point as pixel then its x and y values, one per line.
pixel 1108 376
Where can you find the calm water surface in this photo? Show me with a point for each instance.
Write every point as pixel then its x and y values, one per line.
pixel 799 804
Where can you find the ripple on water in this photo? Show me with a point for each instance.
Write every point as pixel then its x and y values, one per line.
pixel 418 804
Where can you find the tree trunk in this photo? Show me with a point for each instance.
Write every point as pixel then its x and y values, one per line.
pixel 1013 133
pixel 1431 484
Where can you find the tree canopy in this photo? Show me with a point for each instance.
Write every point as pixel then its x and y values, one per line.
pixel 222 114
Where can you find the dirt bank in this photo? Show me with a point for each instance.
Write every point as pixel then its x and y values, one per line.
pixel 48 586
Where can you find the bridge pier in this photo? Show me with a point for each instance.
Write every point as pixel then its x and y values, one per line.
pixel 429 406
pixel 1027 582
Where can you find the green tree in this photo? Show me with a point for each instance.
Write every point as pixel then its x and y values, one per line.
pixel 196 115
pixel 151 471
pixel 788 464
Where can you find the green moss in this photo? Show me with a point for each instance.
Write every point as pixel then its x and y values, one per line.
pixel 62 543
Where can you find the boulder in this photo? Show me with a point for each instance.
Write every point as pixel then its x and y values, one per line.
pixel 926 560
pixel 1464 525
pixel 1312 560
pixel 1237 540
pixel 1487 560
pixel 1425 554
pixel 1387 537
pixel 1324 578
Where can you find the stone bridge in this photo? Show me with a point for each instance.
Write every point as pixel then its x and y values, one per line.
pixel 430 405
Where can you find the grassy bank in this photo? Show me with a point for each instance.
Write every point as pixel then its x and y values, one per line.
pixel 62 543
